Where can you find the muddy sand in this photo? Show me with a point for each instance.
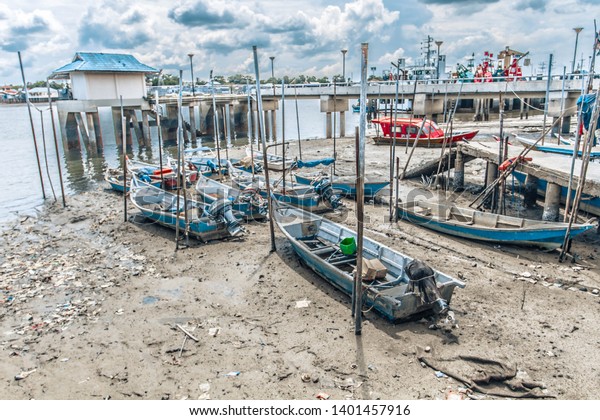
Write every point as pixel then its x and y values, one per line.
pixel 91 308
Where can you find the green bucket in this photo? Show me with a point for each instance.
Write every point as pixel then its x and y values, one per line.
pixel 348 246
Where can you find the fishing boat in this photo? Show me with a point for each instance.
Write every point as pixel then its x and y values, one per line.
pixel 343 185
pixel 206 222
pixel 562 149
pixel 207 162
pixel 275 162
pixel 490 227
pixel 147 172
pixel 406 129
pixel 318 197
pixel 247 202
pixel 317 242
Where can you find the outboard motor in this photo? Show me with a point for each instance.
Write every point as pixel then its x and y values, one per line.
pixel 422 280
pixel 323 187
pixel 252 195
pixel 221 212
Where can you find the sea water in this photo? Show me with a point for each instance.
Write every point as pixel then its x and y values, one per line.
pixel 22 192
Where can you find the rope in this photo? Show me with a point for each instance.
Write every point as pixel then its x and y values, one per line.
pixel 531 106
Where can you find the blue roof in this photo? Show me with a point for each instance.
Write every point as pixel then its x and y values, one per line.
pixel 101 62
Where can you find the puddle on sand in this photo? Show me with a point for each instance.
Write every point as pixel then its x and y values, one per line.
pixel 149 300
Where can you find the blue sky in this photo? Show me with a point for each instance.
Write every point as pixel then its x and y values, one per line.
pixel 305 36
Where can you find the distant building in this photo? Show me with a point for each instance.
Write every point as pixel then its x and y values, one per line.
pixel 100 76
pixel 40 94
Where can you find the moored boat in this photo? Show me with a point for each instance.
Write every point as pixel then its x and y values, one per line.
pixel 275 162
pixel 317 240
pixel 500 229
pixel 406 129
pixel 247 202
pixel 343 185
pixel 206 222
pixel 318 197
pixel 562 149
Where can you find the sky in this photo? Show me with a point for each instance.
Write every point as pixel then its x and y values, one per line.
pixel 305 36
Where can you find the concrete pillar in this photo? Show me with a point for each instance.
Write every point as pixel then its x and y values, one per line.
pixel 566 125
pixel 274 125
pixel 555 127
pixel 116 117
pixel 146 129
pixel 267 125
pixel 169 124
pixel 227 124
pixel 552 203
pixel 128 134
pixel 83 133
pixel 137 129
pixel 530 191
pixel 72 132
pixel 459 172
pixel 342 124
pixel 522 109
pixel 92 133
pixel 192 110
pixel 491 174
pixel 328 133
pixel 97 130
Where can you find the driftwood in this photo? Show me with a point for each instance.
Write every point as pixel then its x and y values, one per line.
pixel 187 333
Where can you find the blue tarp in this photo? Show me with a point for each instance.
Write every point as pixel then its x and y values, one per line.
pixel 313 163
pixel 586 102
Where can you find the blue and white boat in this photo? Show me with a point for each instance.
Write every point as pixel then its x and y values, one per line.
pixel 248 202
pixel 206 222
pixel 496 228
pixel 315 198
pixel 343 185
pixel 562 149
pixel 316 240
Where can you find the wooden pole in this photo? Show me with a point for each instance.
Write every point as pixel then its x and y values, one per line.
pixel 298 124
pixel 283 147
pixel 264 145
pixel 124 148
pixel 58 165
pixel 360 191
pixel 397 186
pixel 178 178
pixel 181 175
pixel 547 100
pixel 160 146
pixel 334 123
pixel 412 150
pixel 37 154
pixel 393 142
pixel 216 126
pixel 250 128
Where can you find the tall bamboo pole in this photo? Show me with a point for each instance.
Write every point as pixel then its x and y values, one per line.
pixel 60 176
pixel 37 154
pixel 261 122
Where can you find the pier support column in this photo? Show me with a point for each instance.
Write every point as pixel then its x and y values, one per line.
pixel 552 203
pixel 92 133
pixel 116 117
pixel 328 134
pixel 459 172
pixel 566 125
pixel 137 129
pixel 169 124
pixel 491 173
pixel 192 110
pixel 128 133
pixel 530 191
pixel 342 124
pixel 97 131
pixel 227 124
pixel 267 126
pixel 274 126
pixel 146 129
pixel 83 133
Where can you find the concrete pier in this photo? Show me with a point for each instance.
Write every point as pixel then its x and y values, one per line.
pixel 552 203
pixel 459 172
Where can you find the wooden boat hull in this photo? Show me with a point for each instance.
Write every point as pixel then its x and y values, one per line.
pixel 427 141
pixel 275 162
pixel 210 190
pixel 389 296
pixel 487 227
pixel 157 205
pixel 556 148
pixel 346 188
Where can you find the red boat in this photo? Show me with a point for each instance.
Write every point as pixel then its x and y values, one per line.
pixel 407 128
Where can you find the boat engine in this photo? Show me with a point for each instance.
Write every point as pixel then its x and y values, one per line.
pixel 324 188
pixel 221 212
pixel 252 195
pixel 422 281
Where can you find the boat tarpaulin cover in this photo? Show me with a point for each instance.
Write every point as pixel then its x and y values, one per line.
pixel 313 163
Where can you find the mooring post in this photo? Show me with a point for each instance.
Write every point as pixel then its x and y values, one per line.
pixel 459 171
pixel 530 191
pixel 552 203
